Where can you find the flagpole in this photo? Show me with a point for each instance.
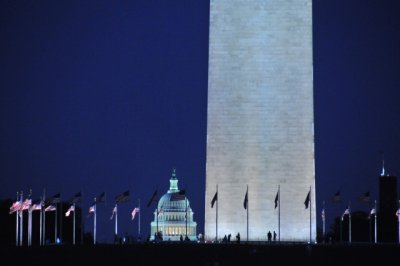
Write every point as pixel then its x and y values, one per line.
pixel 323 222
pixel 61 222
pixel 350 222
pixel 398 220
pixel 73 225
pixel 375 225
pixel 44 227
pixel 41 221
pixel 55 225
pixel 139 218
pixel 29 227
pixel 247 212
pixel 116 221
pixel 21 222
pixel 216 219
pixel 94 221
pixel 44 217
pixel 310 214
pixel 30 220
pixel 279 213
pixel 16 223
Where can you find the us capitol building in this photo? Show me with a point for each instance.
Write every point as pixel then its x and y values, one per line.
pixel 170 216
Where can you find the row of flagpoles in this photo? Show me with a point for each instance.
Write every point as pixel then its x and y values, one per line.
pixel 214 201
pixel 50 205
pixel 347 212
pixel 335 198
pixel 21 205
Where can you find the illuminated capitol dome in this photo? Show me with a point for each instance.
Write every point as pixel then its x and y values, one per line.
pixel 173 208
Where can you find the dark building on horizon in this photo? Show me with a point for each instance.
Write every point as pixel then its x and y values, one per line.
pixel 388 205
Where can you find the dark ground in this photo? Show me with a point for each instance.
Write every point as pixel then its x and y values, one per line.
pixel 204 254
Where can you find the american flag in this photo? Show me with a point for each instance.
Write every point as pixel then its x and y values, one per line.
pixel 336 197
pixel 36 206
pixel 347 211
pixel 77 198
pixel 26 204
pixel 135 210
pixel 50 208
pixel 92 208
pixel 71 209
pixel 323 214
pixel 365 197
pixel 373 211
pixel 121 198
pixel 15 207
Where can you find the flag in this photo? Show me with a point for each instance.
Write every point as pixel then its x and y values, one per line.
pixel 373 212
pixel 92 208
pixel 77 198
pixel 26 204
pixel 365 197
pixel 346 212
pixel 323 214
pixel 101 198
pixel 15 207
pixel 160 211
pixel 135 210
pixel 71 209
pixel 336 197
pixel 245 202
pixel 153 198
pixel 36 206
pixel 114 211
pixel 55 199
pixel 50 208
pixel 121 198
pixel 276 199
pixel 214 199
pixel 307 201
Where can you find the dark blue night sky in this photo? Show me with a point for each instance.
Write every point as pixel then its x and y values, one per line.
pixel 112 95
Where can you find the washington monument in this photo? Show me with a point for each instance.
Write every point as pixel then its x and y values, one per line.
pixel 260 127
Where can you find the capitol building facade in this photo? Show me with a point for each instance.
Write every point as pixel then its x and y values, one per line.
pixel 173 218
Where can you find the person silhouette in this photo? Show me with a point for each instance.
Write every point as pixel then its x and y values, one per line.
pixel 238 238
pixel 274 236
pixel 269 236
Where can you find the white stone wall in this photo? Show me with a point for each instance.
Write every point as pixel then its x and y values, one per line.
pixel 260 118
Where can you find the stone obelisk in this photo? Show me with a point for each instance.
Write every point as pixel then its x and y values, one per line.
pixel 260 127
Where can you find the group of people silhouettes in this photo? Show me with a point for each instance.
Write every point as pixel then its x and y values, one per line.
pixel 227 239
pixel 269 235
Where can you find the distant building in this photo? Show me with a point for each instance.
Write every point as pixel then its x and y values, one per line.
pixel 388 205
pixel 172 209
